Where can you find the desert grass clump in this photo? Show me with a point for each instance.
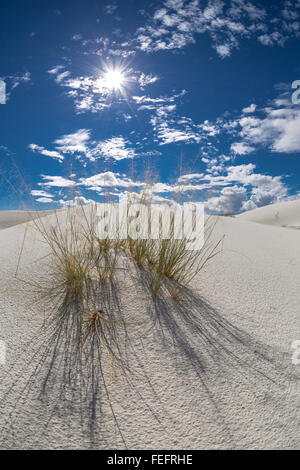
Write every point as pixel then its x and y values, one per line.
pixel 79 255
pixel 70 262
pixel 171 259
pixel 73 273
pixel 76 254
pixel 141 251
pixel 180 264
pixel 98 329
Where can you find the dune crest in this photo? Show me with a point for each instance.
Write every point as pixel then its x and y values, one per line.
pixel 282 214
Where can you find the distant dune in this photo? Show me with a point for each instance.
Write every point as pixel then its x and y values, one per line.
pixel 11 218
pixel 282 214
pixel 213 371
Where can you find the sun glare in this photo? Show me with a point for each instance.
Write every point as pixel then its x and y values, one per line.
pixel 114 79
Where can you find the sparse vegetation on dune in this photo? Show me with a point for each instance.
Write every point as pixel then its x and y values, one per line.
pixel 79 255
pixel 171 259
pixel 82 287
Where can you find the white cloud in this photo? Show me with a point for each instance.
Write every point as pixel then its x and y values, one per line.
pixel 174 25
pixel 189 177
pixel 168 126
pixel 146 99
pixel 167 135
pixel 237 188
pixel 56 181
pixel 74 143
pixel 269 194
pixel 249 109
pixel 44 200
pixel 108 179
pixel 61 76
pixel 59 73
pixel 278 129
pixel 147 79
pixel 272 38
pixel 230 201
pixel 274 127
pixel 233 189
pixel 209 128
pixel 47 153
pixel 223 50
pixel 240 148
pixel 89 93
pixel 147 197
pixel 16 80
pixel 161 188
pixel 115 148
pixel 110 8
pixel 36 193
pixel 55 70
pixel 171 128
pixel 77 37
pixel 76 202
pixel 81 146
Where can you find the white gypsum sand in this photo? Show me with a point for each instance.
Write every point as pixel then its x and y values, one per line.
pixel 212 371
pixel 11 218
pixel 283 214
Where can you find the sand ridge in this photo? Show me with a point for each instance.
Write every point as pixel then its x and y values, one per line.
pixel 283 214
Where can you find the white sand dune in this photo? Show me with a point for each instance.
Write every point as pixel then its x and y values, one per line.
pixel 283 214
pixel 11 218
pixel 213 371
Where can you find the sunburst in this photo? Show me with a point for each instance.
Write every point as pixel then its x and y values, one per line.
pixel 115 79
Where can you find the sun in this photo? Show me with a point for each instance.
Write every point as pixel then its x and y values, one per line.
pixel 114 79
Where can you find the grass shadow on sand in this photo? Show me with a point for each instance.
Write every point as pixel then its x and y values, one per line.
pixel 71 379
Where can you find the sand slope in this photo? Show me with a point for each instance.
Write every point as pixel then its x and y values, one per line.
pixel 211 372
pixel 11 218
pixel 282 214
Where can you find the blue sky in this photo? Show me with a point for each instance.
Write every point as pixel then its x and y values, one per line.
pixel 196 93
